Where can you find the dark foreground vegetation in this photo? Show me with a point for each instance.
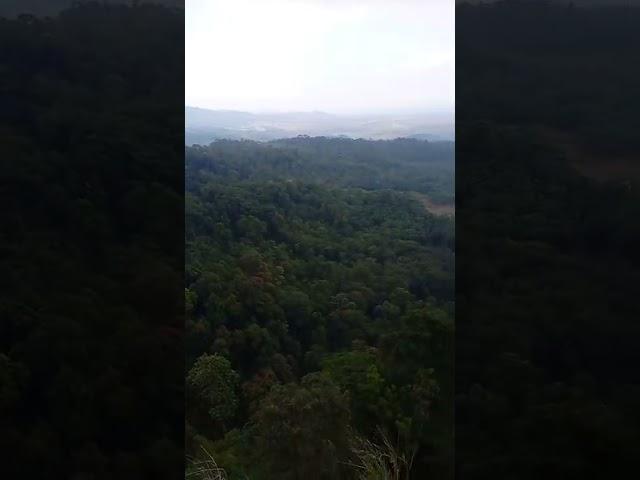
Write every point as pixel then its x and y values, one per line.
pixel 91 255
pixel 548 268
pixel 319 308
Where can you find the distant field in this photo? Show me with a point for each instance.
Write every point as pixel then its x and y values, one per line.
pixel 204 126
pixel 440 209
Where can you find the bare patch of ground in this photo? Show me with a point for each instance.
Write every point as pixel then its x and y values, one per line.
pixel 439 209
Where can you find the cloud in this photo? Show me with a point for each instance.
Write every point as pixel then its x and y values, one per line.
pixel 343 56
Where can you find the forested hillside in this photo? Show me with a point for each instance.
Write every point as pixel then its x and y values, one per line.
pixel 401 164
pixel 319 308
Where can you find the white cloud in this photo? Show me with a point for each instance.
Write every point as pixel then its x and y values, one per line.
pixel 338 56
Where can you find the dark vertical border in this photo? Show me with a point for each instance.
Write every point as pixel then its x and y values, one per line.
pixel 92 243
pixel 547 264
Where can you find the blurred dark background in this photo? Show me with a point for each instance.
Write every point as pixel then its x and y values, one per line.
pixel 42 8
pixel 547 240
pixel 92 242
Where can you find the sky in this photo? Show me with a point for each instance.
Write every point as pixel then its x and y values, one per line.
pixel 335 56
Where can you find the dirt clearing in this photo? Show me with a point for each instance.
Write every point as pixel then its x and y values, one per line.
pixel 439 209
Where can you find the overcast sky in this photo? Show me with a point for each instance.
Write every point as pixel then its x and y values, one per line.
pixel 337 56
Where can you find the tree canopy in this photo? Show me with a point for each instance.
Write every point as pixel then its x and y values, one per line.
pixel 329 289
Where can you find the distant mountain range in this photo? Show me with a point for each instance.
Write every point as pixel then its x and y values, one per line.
pixel 203 126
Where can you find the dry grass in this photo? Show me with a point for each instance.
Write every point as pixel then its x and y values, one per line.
pixel 371 461
pixel 206 469
pixel 380 461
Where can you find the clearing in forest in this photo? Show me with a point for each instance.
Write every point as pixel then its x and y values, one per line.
pixel 440 209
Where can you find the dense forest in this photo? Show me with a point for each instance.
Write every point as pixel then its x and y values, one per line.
pixel 402 164
pixel 320 306
pixel 547 330
pixel 91 300
pixel 319 291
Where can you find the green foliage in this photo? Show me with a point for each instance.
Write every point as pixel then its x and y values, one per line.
pixel 301 429
pixel 333 304
pixel 357 373
pixel 401 164
pixel 214 384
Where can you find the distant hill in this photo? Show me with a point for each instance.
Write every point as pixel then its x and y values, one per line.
pixel 203 126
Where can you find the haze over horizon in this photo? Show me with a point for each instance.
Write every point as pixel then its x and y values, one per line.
pixel 434 113
pixel 339 57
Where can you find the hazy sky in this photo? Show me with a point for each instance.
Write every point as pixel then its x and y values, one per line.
pixel 338 56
